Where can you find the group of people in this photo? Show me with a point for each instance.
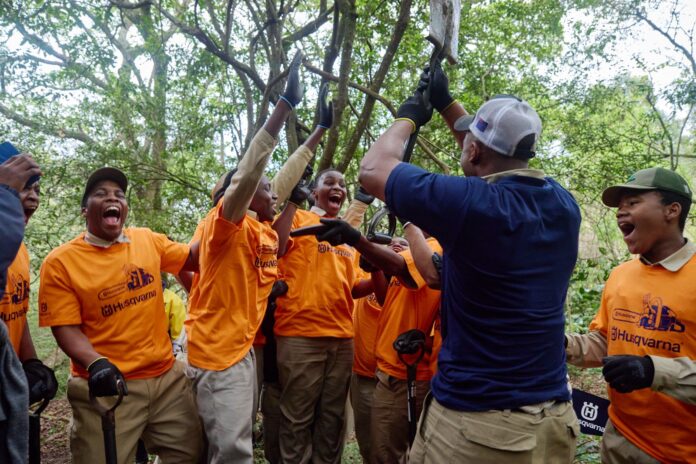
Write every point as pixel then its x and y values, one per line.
pixel 458 325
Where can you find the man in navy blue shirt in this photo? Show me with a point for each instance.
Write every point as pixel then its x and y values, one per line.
pixel 510 241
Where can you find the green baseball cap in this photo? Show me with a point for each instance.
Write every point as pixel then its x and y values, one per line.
pixel 648 179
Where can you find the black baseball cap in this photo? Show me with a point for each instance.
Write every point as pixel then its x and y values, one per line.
pixel 101 174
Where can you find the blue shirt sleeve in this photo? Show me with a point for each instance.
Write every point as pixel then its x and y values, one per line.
pixel 436 203
pixel 11 232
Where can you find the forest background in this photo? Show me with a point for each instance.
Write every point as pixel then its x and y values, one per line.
pixel 171 91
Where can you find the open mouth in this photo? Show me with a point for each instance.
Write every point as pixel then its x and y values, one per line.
pixel 335 200
pixel 112 215
pixel 29 211
pixel 626 228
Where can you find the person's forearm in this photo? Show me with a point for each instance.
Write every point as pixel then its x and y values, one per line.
pixel 282 226
pixel 277 119
pixel 26 346
pixel 191 263
pixel 244 182
pixel 380 285
pixel 291 173
pixel 75 344
pixel 586 350
pixel 450 115
pixel 384 258
pixel 185 279
pixel 422 255
pixel 383 156
pixel 675 377
pixel 362 288
pixel 355 213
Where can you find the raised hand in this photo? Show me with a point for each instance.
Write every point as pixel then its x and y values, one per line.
pixel 325 107
pixel 293 88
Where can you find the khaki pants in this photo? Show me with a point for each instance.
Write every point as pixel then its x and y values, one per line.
pixel 314 374
pixel 389 421
pixel 270 408
pixel 361 391
pixel 616 449
pixel 225 402
pixel 161 410
pixel 494 437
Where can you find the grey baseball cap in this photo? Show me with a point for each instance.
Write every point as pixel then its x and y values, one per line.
pixel 506 124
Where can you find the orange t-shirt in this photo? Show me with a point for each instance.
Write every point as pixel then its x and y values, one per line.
pixel 405 309
pixel 114 295
pixel 320 278
pixel 15 303
pixel 365 319
pixel 648 310
pixel 238 265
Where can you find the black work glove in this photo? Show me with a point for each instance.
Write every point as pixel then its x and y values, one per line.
pixel 626 373
pixel 299 193
pixel 302 190
pixel 415 109
pixel 280 288
pixel 366 265
pixel 325 107
pixel 41 380
pixel 440 96
pixel 337 232
pixel 103 377
pixel 293 88
pixel 363 196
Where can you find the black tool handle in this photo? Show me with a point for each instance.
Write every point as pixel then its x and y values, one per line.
pixel 109 431
pixel 34 439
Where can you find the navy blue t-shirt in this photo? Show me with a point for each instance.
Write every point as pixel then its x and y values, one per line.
pixel 509 250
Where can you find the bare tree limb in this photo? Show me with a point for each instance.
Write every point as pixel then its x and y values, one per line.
pixel 362 88
pixel 688 55
pixel 60 132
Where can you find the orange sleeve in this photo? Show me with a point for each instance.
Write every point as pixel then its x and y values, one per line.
pixel 221 230
pixel 58 302
pixel 173 255
pixel 411 265
pixel 601 320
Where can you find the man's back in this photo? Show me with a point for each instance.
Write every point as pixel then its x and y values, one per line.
pixel 509 250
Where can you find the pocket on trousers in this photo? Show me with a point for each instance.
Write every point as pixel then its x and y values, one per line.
pixel 498 437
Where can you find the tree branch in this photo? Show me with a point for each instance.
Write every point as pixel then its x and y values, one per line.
pixel 671 40
pixel 60 132
pixel 359 87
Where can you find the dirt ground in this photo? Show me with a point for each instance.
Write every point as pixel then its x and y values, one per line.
pixel 55 432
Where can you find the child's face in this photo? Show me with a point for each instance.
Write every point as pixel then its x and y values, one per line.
pixel 643 221
pixel 330 192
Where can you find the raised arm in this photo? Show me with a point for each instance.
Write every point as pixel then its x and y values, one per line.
pixel 292 170
pixel 244 182
pixel 387 152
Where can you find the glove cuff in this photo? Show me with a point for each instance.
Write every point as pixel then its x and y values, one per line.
pixel 96 361
pixel 290 104
pixel 26 362
pixel 323 126
pixel 447 106
pixel 409 120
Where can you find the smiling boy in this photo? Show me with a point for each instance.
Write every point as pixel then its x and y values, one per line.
pixel 314 331
pixel 101 294
pixel 645 331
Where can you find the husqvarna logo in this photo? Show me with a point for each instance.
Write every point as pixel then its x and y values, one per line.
pixel 589 411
